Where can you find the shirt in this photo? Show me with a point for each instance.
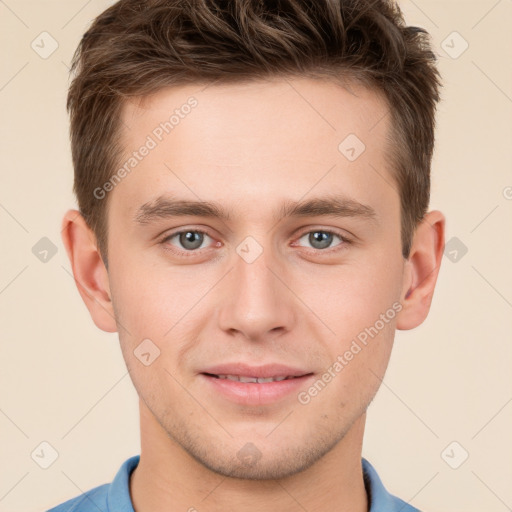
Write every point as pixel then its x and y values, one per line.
pixel 115 497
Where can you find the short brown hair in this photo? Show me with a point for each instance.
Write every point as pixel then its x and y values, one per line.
pixel 135 48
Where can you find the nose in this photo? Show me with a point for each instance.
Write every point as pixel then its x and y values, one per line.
pixel 259 302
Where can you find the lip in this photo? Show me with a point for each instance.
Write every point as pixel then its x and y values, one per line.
pixel 264 371
pixel 255 393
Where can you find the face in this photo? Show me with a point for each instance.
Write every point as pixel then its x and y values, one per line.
pixel 292 258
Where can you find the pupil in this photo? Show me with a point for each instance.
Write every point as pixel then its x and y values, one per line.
pixel 323 239
pixel 191 240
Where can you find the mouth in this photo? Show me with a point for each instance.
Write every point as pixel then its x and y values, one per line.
pixel 251 390
pixel 255 380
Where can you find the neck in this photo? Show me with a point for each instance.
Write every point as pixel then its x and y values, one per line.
pixel 168 479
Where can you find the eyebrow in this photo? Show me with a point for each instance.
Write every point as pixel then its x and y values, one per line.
pixel 336 206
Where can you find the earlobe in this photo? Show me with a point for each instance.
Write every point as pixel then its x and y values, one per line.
pixel 421 270
pixel 89 271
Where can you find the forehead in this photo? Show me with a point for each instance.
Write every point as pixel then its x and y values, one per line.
pixel 251 140
pixel 321 103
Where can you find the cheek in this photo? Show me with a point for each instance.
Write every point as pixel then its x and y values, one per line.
pixel 150 301
pixel 351 297
pixel 158 309
pixel 359 303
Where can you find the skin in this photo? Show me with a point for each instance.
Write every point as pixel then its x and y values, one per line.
pixel 250 147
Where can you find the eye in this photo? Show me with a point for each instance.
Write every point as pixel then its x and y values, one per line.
pixel 189 239
pixel 322 239
pixel 192 240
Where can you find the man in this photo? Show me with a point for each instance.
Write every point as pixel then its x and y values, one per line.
pixel 253 184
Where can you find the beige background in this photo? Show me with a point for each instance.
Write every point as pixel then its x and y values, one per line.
pixel 64 382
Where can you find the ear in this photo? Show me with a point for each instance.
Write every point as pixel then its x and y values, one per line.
pixel 91 276
pixel 421 271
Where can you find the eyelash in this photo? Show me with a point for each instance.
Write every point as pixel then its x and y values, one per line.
pixel 194 252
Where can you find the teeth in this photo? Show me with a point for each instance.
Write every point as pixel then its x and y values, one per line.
pixel 247 379
pixel 264 379
pixel 243 378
